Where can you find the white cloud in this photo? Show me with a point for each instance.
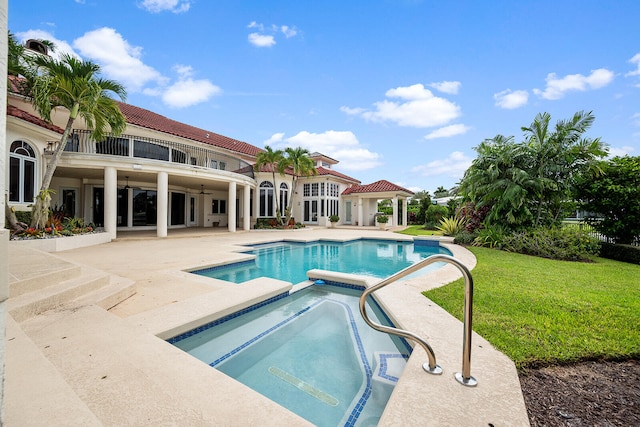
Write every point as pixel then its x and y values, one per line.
pixel 636 119
pixel 453 166
pixel 557 87
pixel 448 131
pixel 620 151
pixel 157 6
pixel 61 46
pixel 266 36
pixel 118 59
pixel 447 87
pixel 261 40
pixel 342 145
pixel 288 31
pixel 274 139
pixel 352 111
pixel 510 100
pixel 418 108
pixel 187 91
pixel 635 60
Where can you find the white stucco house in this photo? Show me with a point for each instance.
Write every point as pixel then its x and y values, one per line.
pixel 161 174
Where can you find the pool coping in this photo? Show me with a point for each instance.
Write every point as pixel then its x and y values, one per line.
pixel 419 398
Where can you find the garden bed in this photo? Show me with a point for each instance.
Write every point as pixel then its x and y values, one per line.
pixel 63 243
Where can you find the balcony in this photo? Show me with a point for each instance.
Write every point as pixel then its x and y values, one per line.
pixel 131 146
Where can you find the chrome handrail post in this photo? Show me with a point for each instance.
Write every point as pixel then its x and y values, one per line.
pixel 432 367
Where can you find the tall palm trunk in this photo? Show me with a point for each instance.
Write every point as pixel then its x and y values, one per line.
pixel 41 207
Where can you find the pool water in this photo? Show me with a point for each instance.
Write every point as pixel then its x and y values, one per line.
pixel 311 352
pixel 289 261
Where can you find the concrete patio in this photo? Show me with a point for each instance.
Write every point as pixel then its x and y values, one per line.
pixel 85 338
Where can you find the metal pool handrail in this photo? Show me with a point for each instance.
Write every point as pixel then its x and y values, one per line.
pixel 432 367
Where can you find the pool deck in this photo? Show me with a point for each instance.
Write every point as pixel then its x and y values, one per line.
pixel 86 328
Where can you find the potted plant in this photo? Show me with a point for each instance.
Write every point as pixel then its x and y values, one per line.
pixel 382 220
pixel 333 219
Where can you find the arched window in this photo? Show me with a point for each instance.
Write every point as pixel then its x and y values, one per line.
pixel 22 172
pixel 266 199
pixel 283 197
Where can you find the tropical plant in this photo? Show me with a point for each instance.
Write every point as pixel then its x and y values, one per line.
pixel 273 159
pixel 299 161
pixel 434 214
pixel 614 199
pixel 76 86
pixel 490 237
pixel 441 192
pixel 528 184
pixel 450 226
pixel 382 219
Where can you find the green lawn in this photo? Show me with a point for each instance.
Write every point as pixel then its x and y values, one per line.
pixel 539 311
pixel 417 230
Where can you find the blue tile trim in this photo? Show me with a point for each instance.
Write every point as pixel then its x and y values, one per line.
pixel 217 322
pixel 262 334
pixel 382 372
pixel 421 242
pixel 362 401
pixel 204 271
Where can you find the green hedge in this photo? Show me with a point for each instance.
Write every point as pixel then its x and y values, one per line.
pixel 624 253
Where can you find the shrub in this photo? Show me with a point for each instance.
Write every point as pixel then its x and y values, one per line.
pixel 624 253
pixel 464 238
pixel 473 215
pixel 382 219
pixel 23 216
pixel 334 218
pixel 435 213
pixel 490 237
pixel 555 243
pixel 451 226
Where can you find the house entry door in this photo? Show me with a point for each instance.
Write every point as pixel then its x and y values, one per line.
pixel 347 213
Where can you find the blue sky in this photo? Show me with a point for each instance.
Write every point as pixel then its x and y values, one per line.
pixel 394 89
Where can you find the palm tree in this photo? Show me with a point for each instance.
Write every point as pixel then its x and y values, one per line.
pixel 73 84
pixel 273 159
pixel 301 164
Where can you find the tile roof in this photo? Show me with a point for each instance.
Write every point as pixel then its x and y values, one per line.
pixel 28 117
pixel 150 120
pixel 324 171
pixel 382 186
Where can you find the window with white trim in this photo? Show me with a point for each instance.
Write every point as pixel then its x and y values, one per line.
pixel 266 199
pixel 22 172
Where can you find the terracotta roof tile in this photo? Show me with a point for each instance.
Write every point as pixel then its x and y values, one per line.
pixel 150 120
pixel 381 186
pixel 28 117
pixel 324 171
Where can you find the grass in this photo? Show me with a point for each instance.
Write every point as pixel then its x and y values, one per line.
pixel 418 230
pixel 541 312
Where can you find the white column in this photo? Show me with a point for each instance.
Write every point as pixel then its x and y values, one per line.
pixel 360 214
pixel 4 234
pixel 394 206
pixel 246 208
pixel 231 207
pixel 162 210
pixel 111 201
pixel 405 215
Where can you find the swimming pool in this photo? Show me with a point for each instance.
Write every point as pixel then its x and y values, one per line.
pixel 289 261
pixel 311 352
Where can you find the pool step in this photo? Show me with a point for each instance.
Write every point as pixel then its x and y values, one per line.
pixel 35 387
pixel 33 303
pixel 387 369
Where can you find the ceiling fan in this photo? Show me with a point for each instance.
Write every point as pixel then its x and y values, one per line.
pixel 202 190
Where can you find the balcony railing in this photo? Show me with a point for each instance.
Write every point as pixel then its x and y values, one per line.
pixel 131 146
